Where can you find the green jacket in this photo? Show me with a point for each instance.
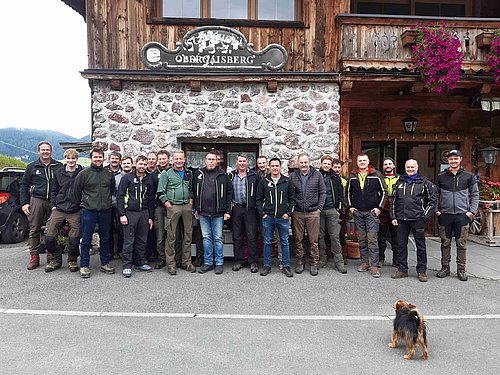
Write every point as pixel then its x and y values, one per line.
pixel 173 188
pixel 93 188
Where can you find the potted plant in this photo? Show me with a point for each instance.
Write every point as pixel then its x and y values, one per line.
pixel 484 39
pixel 494 56
pixel 437 56
pixel 352 244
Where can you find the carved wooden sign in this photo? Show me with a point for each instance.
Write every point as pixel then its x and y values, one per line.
pixel 213 48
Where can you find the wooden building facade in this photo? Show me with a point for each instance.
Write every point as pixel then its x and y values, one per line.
pixel 345 87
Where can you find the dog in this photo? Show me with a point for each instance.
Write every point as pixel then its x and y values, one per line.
pixel 409 325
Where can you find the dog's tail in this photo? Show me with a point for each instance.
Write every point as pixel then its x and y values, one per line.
pixel 419 319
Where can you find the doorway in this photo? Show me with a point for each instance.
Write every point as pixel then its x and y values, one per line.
pixel 196 152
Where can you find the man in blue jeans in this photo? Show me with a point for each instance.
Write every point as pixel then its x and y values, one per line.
pixel 93 189
pixel 213 193
pixel 275 202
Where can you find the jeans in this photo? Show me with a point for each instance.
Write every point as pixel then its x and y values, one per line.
pixel 211 230
pixel 269 223
pixel 88 221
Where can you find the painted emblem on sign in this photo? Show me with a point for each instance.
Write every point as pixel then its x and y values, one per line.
pixel 213 48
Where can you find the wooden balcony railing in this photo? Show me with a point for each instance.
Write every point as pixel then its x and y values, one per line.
pixel 372 41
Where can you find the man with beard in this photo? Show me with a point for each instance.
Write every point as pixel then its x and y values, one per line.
pixel 386 226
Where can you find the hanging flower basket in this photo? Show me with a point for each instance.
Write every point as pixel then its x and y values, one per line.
pixel 437 56
pixel 409 38
pixel 483 40
pixel 494 56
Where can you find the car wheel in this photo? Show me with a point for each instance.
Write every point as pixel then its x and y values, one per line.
pixel 16 229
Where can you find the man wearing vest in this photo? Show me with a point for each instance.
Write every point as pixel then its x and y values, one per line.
pixel 175 192
pixel 366 195
pixel 244 214
pixel 390 178
pixel 458 201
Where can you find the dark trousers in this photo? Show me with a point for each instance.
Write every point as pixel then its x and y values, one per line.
pixel 89 220
pixel 116 233
pixel 245 223
pixel 40 210
pixel 417 227
pixel 387 232
pixel 135 235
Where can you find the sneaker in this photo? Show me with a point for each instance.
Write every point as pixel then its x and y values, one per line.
pixel 190 268
pixel 106 268
pixel 127 272
pixel 219 269
pixel 160 265
pixel 462 275
pixel 265 271
pixel 144 268
pixel 363 267
pixel 399 275
pixel 34 262
pixel 172 271
pixel 313 271
pixel 299 268
pixel 422 277
pixel 85 272
pixel 237 267
pixel 375 272
pixel 287 271
pixel 52 266
pixel 73 266
pixel 341 268
pixel 443 272
pixel 205 268
pixel 254 268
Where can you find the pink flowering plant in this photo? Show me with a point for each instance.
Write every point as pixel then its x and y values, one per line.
pixel 437 56
pixel 494 56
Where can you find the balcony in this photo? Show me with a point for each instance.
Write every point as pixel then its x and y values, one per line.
pixel 374 41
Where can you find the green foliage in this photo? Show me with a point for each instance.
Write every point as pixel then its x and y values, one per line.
pixel 7 161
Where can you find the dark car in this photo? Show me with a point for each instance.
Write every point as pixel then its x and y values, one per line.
pixel 13 222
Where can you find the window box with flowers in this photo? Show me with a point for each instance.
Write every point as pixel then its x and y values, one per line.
pixel 437 56
pixel 494 56
pixel 487 219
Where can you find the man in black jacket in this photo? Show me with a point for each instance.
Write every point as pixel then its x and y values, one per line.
pixel 275 202
pixel 310 199
pixel 244 213
pixel 93 189
pixel 414 201
pixel 135 202
pixel 213 194
pixel 64 209
pixel 35 197
pixel 330 215
pixel 366 195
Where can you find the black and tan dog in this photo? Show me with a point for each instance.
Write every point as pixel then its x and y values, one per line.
pixel 409 325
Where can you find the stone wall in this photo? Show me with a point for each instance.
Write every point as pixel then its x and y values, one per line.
pixel 149 116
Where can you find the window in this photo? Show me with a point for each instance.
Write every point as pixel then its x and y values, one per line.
pixel 272 10
pixel 447 8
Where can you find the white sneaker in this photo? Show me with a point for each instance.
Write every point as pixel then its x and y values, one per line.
pixel 127 272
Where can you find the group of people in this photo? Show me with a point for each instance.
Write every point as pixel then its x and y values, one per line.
pixel 145 209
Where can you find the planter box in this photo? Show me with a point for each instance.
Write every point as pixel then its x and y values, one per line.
pixel 409 38
pixel 483 40
pixel 352 249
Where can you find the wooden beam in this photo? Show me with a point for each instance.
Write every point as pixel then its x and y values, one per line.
pixel 116 84
pixel 414 103
pixel 272 86
pixel 345 119
pixel 485 88
pixel 195 85
pixel 346 86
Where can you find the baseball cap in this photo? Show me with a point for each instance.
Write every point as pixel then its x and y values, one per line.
pixel 454 153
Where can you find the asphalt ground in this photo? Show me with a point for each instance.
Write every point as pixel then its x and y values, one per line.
pixel 237 322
